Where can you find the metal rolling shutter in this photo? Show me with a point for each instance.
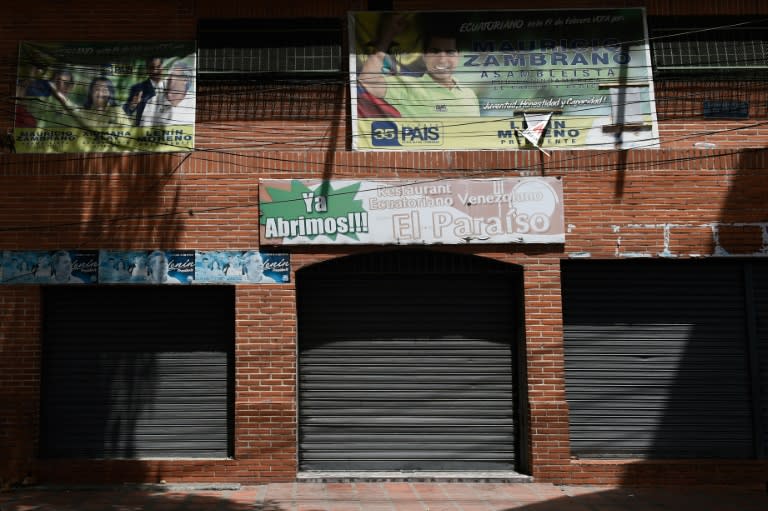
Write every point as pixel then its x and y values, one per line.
pixel 760 276
pixel 657 359
pixel 139 372
pixel 403 366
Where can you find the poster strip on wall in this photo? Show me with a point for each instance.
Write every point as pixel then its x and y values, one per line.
pixel 464 80
pixel 447 211
pixel 146 267
pixel 241 266
pixel 151 267
pixel 143 267
pixel 49 267
pixel 86 97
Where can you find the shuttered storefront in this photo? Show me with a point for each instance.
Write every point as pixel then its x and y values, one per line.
pixel 139 372
pixel 759 273
pixel 663 359
pixel 406 362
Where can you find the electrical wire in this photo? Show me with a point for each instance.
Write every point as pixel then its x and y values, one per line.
pixel 466 173
pixel 197 152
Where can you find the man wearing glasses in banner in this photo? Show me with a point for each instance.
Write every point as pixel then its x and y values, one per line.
pixel 174 104
pixel 434 93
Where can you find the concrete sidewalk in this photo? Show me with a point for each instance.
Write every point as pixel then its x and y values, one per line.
pixel 383 496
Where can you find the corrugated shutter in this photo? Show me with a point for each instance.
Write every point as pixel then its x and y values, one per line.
pixel 657 359
pixel 403 366
pixel 137 372
pixel 760 279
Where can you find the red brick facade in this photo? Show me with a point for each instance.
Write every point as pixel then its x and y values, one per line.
pixel 676 202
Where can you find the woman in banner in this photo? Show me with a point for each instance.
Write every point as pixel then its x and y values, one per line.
pixel 100 109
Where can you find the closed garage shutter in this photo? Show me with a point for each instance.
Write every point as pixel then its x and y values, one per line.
pixel 404 366
pixel 138 372
pixel 760 274
pixel 657 359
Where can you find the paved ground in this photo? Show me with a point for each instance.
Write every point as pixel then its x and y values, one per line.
pixel 385 496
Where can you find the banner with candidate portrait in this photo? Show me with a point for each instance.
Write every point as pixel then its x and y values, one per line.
pixel 401 212
pixel 464 80
pixel 97 97
pixel 146 266
pixel 241 267
pixel 49 267
pixel 44 267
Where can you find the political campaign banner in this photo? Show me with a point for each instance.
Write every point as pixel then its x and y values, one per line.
pixel 146 266
pixel 50 267
pixel 93 97
pixel 441 211
pixel 241 267
pixel 464 80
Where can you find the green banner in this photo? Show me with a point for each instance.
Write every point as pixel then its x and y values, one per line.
pixel 82 97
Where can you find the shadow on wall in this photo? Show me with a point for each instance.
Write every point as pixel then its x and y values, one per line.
pixel 658 367
pixel 96 202
pixel 137 202
pixel 147 378
pixel 101 201
pixel 98 383
pixel 743 223
pixel 667 358
pixel 707 360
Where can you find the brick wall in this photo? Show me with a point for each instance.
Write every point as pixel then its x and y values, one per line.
pixel 675 202
pixel 19 382
pixel 661 203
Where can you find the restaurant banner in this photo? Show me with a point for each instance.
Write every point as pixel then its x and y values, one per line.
pixel 464 80
pixel 49 267
pixel 441 211
pixel 93 97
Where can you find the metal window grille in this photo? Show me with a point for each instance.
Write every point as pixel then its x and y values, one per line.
pixel 296 47
pixel 731 54
pixel 709 43
pixel 305 59
pixel 710 66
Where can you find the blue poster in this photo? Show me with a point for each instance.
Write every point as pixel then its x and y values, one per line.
pixel 143 267
pixel 49 267
pixel 146 266
pixel 241 266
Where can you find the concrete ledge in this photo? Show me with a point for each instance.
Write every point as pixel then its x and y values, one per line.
pixel 474 477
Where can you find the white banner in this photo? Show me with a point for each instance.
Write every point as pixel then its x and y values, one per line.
pixel 441 211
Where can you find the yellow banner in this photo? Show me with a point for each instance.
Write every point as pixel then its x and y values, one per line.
pixel 105 140
pixel 563 132
pixel 105 96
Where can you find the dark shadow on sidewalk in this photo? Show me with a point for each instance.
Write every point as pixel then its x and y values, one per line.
pixel 502 497
pixel 653 498
pixel 133 499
